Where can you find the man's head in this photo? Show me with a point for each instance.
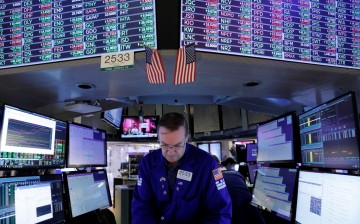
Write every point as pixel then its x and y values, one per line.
pixel 173 135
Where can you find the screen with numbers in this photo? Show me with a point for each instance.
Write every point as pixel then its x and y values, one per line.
pixel 325 32
pixel 38 31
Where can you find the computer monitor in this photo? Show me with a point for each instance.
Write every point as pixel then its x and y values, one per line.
pixel 327 198
pixel 31 140
pixel 112 117
pixel 137 127
pixel 87 192
pixel 276 139
pixel 252 172
pixel 329 134
pixel 32 199
pixel 274 190
pixel 87 146
pixel 251 152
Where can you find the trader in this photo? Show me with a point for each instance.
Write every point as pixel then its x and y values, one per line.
pixel 179 183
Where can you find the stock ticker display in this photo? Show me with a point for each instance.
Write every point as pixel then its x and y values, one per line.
pixel 325 32
pixel 39 31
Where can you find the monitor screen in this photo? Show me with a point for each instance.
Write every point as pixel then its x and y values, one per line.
pixel 41 31
pixel 252 172
pixel 87 191
pixel 329 134
pixel 327 198
pixel 315 32
pixel 87 146
pixel 31 140
pixel 31 199
pixel 275 139
pixel 274 190
pixel 113 117
pixel 251 152
pixel 139 127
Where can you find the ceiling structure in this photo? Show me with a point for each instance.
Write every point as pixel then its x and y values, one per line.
pixel 220 79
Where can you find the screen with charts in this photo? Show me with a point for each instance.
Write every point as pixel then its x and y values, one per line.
pixel 328 198
pixel 251 152
pixel 275 139
pixel 39 31
pixel 87 146
pixel 31 199
pixel 324 32
pixel 113 117
pixel 31 140
pixel 274 190
pixel 329 134
pixel 88 191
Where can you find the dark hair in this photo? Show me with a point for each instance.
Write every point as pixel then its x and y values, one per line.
pixel 216 158
pixel 173 121
pixel 228 161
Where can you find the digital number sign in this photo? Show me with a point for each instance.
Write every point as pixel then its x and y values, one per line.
pixel 325 32
pixel 38 31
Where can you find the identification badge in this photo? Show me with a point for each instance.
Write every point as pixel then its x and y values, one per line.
pixel 184 175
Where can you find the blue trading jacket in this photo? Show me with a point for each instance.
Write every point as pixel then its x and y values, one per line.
pixel 202 198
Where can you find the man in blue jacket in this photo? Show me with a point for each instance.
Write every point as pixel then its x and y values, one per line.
pixel 179 183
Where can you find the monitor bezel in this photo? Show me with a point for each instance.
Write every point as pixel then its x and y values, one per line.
pixel 294 199
pixel 40 115
pixel 67 192
pixel 357 131
pixel 68 165
pixel 295 140
pixel 121 130
pixel 102 117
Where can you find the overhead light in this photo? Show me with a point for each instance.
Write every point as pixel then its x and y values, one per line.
pixel 82 107
pixel 85 85
pixel 252 83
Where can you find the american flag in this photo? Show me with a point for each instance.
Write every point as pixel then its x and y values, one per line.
pixel 217 174
pixel 155 71
pixel 185 68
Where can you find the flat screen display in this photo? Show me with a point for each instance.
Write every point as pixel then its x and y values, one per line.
pixel 39 31
pixel 324 32
pixel 113 117
pixel 252 172
pixel 275 139
pixel 328 198
pixel 139 127
pixel 87 146
pixel 32 199
pixel 251 152
pixel 329 134
pixel 88 191
pixel 274 189
pixel 31 140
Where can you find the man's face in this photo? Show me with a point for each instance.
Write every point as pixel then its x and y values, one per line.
pixel 172 143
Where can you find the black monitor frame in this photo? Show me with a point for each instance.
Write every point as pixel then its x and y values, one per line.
pixel 357 130
pixel 13 167
pixel 67 193
pixel 295 140
pixel 294 199
pixel 68 146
